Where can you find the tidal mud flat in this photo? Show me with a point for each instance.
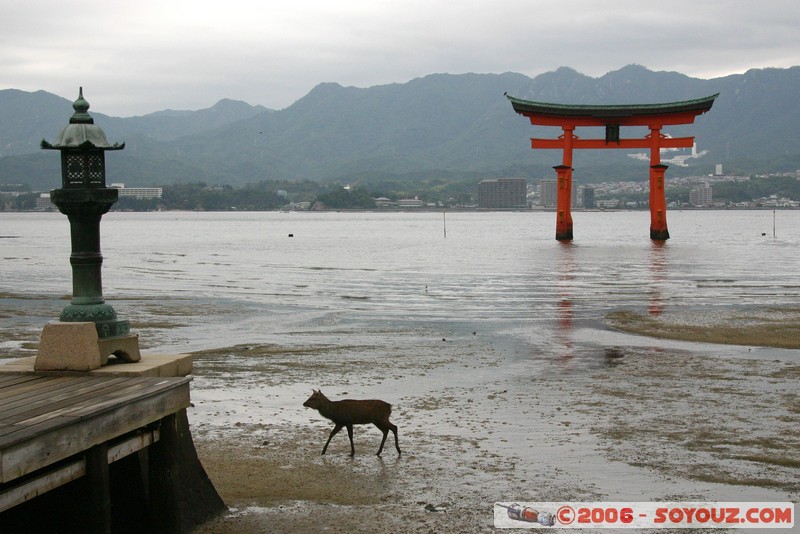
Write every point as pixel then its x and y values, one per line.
pixel 629 418
pixel 614 416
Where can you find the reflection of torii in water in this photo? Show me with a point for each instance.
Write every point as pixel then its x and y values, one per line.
pixel 565 284
pixel 658 268
pixel 653 116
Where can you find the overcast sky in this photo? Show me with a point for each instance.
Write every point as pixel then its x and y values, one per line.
pixel 136 57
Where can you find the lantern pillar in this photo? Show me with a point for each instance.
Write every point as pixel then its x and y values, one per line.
pixel 84 209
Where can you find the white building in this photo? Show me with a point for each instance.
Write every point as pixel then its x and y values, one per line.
pixel 138 192
pixel 410 203
pixel 701 195
pixel 383 202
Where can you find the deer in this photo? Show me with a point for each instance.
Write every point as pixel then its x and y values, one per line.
pixel 349 412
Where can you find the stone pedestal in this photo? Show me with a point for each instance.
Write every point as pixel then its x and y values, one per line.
pixel 76 346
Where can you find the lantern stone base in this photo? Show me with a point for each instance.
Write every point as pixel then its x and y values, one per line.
pixel 77 347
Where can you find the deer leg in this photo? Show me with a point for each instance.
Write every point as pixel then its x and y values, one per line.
pixel 385 431
pixel 350 435
pixel 393 428
pixel 335 430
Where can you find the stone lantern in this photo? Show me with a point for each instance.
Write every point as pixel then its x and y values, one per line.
pixel 88 330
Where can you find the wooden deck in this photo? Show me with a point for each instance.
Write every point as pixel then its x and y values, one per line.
pixel 48 423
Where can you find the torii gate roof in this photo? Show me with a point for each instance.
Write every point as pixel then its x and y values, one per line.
pixel 593 114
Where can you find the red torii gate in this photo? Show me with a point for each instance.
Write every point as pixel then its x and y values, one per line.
pixel 653 116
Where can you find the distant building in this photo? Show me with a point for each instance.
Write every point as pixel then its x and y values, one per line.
pixel 138 192
pixel 774 202
pixel 609 204
pixel 295 206
pixel 574 199
pixel 383 202
pixel 503 193
pixel 700 196
pixel 548 193
pixel 410 203
pixel 588 197
pixel 43 202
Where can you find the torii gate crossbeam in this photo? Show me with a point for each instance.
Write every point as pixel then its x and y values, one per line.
pixel 652 116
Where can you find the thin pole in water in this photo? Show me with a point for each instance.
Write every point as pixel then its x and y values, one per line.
pixel 774 232
pixel 444 223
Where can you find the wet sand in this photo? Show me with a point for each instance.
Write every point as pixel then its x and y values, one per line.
pixel 643 408
pixel 633 419
pixel 766 327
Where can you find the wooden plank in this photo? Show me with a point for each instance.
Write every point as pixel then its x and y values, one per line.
pixel 49 480
pixel 12 379
pixel 130 390
pixel 14 416
pixel 134 390
pixel 30 386
pixel 54 439
pixel 67 413
pixel 9 379
pixel 80 388
pixel 44 397
pixel 19 411
pixel 132 445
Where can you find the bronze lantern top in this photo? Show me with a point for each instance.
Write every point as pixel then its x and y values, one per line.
pixel 81 132
pixel 82 145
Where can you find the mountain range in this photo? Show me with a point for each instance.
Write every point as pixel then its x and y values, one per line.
pixel 438 125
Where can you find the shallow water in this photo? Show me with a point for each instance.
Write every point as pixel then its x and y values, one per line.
pixel 240 274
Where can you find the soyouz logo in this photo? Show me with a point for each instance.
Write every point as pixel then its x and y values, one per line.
pixel 644 515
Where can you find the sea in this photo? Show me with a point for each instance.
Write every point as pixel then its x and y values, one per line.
pixel 247 275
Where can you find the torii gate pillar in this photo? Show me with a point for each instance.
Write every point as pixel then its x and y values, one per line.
pixel 564 203
pixel 658 204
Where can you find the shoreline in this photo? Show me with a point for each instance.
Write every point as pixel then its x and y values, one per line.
pixel 438 209
pixel 757 327
pixel 749 326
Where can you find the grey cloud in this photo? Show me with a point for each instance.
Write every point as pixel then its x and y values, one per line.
pixel 142 57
